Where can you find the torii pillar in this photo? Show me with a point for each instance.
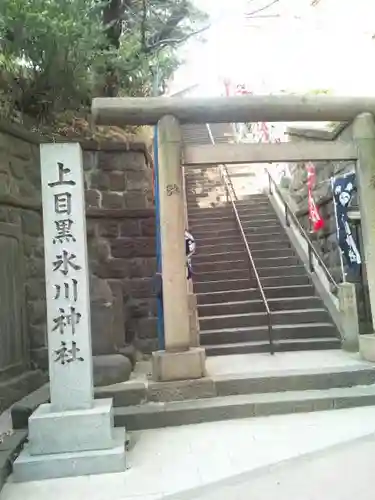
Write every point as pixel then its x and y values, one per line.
pixel 181 359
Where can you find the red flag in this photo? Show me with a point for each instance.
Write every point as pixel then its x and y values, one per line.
pixel 314 215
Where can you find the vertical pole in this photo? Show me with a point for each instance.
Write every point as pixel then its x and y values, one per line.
pixel 160 322
pixel 159 270
pixel 172 230
pixel 178 360
pixel 337 233
pixel 364 137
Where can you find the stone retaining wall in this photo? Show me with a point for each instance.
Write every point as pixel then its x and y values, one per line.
pixel 325 241
pixel 121 238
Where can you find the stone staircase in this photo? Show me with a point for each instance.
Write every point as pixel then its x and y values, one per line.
pixel 232 315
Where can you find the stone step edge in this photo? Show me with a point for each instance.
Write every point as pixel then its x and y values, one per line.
pixel 258 301
pixel 154 415
pixel 245 261
pixel 246 280
pixel 224 218
pixel 299 266
pixel 262 278
pixel 231 221
pixel 243 254
pixel 266 246
pixel 273 313
pixel 276 343
pixel 265 327
pixel 253 289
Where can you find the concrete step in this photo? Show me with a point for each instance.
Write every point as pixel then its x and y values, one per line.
pixel 259 333
pixel 241 284
pixel 228 274
pixel 288 345
pixel 274 234
pixel 254 198
pixel 259 232
pixel 216 225
pixel 227 215
pixel 221 265
pixel 267 272
pixel 244 269
pixel 151 415
pixel 257 305
pixel 254 234
pixel 228 209
pixel 278 254
pixel 134 394
pixel 215 246
pixel 220 225
pixel 243 263
pixel 291 317
pixel 232 230
pixel 227 248
pixel 220 297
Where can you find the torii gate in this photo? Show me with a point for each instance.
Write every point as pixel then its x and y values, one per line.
pixel 182 358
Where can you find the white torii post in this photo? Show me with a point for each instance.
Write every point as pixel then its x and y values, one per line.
pixel 180 360
pixel 364 137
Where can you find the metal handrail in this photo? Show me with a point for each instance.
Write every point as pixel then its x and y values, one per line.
pixel 311 249
pixel 230 192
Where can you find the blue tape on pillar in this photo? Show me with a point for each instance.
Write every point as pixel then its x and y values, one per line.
pixel 160 323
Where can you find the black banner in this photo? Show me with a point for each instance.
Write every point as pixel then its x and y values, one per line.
pixel 343 189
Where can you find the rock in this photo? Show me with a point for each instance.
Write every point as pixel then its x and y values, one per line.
pixel 111 369
pixel 130 352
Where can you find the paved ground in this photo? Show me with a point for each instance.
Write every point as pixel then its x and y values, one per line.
pixel 172 460
pixel 262 363
pixel 343 472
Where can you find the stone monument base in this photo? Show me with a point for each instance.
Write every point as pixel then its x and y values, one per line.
pixel 367 347
pixel 168 366
pixel 71 443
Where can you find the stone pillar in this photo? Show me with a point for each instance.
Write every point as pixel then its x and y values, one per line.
pixel 364 137
pixel 73 435
pixel 179 361
pixel 349 316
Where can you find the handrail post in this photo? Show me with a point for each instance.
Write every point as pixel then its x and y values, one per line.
pixel 311 260
pixel 287 222
pixel 269 183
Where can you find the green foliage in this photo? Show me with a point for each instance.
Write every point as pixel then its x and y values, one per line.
pixel 57 54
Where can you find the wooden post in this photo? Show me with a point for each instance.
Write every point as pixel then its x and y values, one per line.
pixel 178 361
pixel 364 137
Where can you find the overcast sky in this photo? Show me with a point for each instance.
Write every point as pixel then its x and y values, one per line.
pixel 303 48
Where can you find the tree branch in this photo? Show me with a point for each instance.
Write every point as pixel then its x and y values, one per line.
pixel 143 24
pixel 261 9
pixel 177 15
pixel 176 41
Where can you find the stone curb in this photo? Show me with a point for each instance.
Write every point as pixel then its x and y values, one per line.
pixel 10 446
pixel 138 393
